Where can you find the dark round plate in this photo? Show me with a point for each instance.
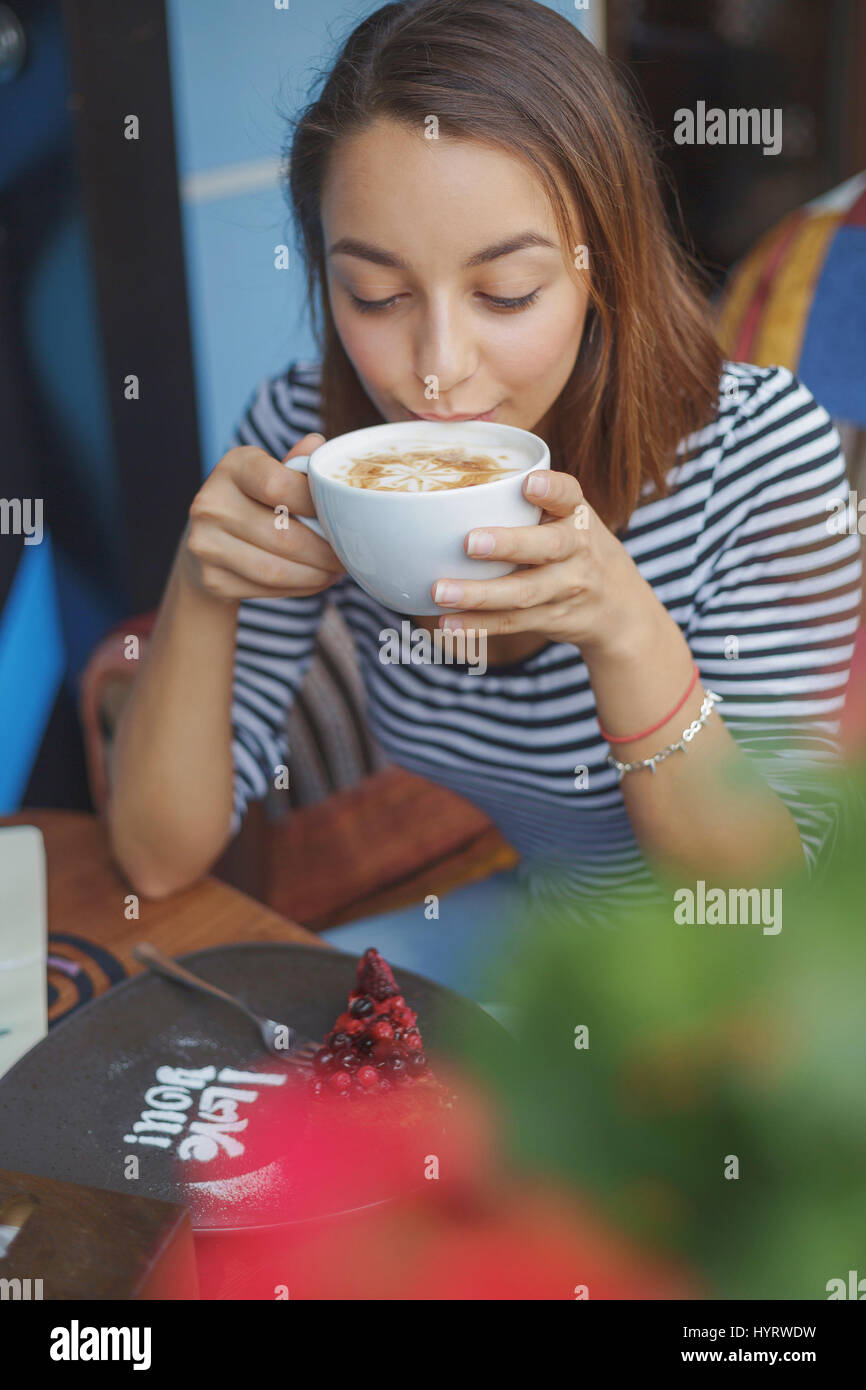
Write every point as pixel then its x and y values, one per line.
pixel 155 1061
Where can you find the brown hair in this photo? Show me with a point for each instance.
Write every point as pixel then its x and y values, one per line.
pixel 517 75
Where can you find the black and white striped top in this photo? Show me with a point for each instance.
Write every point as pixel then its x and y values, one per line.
pixel 740 554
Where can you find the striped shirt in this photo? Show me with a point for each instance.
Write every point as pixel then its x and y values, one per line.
pixel 740 553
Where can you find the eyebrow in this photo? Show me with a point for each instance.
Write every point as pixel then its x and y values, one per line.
pixel 365 250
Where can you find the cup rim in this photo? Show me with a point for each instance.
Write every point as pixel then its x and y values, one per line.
pixel 409 426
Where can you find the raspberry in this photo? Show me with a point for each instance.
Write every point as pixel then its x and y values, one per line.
pixel 368 1076
pixel 414 1042
pixel 382 1030
pixel 340 1081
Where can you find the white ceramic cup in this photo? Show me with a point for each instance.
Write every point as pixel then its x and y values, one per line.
pixel 397 544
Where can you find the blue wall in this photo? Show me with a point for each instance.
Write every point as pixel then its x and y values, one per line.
pixel 235 66
pixel 65 592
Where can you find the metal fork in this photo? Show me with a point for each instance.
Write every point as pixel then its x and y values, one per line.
pixel 279 1039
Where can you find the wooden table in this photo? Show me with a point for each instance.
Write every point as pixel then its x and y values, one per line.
pixel 92 923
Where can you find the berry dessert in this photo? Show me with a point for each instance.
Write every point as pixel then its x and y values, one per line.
pixel 375 1046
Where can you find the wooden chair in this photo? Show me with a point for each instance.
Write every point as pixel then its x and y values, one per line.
pixel 353 835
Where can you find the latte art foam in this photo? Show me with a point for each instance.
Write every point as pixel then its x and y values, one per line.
pixel 426 469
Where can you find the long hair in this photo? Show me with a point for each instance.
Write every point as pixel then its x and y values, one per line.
pixel 517 75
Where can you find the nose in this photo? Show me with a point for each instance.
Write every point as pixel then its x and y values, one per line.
pixel 445 347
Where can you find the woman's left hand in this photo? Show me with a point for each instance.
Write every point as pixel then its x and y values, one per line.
pixel 577 583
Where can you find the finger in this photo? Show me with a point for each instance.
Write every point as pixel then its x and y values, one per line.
pixel 281 533
pixel 270 482
pixel 526 545
pixel 305 446
pixel 281 493
pixel 212 545
pixel 224 506
pixel 527 588
pixel 303 449
pixel 558 493
pixel 228 585
pixel 547 618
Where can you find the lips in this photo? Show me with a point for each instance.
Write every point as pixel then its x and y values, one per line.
pixel 453 419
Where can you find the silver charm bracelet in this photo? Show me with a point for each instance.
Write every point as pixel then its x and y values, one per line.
pixel 710 699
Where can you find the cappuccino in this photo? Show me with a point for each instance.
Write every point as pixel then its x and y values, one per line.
pixel 427 469
pixel 396 501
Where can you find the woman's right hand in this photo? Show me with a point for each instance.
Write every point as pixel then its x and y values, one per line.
pixel 243 541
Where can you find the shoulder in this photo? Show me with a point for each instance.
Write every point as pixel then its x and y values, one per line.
pixel 769 419
pixel 752 398
pixel 768 431
pixel 282 409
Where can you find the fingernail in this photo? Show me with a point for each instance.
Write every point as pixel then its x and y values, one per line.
pixel 447 592
pixel 452 624
pixel 480 543
pixel 538 483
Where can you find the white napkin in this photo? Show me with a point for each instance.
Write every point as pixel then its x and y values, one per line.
pixel 23 942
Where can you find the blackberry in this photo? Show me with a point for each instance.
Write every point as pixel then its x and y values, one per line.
pixel 375 976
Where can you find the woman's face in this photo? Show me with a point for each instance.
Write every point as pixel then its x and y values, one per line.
pixel 423 227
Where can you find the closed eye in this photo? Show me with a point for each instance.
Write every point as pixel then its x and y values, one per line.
pixel 522 303
pixel 373 306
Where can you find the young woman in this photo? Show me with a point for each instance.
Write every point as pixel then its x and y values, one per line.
pixel 483 235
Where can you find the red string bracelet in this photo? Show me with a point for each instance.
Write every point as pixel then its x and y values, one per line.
pixel 631 738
